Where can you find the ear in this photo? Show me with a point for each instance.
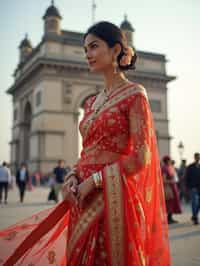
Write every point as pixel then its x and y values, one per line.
pixel 117 50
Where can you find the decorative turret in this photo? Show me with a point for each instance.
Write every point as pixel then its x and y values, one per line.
pixel 52 20
pixel 128 29
pixel 25 48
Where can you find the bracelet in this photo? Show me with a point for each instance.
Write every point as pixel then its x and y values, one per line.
pixel 97 178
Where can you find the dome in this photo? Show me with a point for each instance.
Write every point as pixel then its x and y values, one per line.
pixel 126 25
pixel 25 43
pixel 52 11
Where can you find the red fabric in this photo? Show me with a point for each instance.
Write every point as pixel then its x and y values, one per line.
pixel 119 141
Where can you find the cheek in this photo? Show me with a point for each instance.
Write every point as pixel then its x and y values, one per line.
pixel 103 59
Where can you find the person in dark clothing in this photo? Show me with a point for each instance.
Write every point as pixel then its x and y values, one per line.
pixel 182 183
pixel 59 175
pixel 193 185
pixel 22 178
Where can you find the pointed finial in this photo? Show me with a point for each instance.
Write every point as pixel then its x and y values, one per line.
pixel 26 36
pixel 94 6
pixel 52 2
pixel 125 16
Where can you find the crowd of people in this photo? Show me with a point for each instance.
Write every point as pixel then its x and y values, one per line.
pixel 26 181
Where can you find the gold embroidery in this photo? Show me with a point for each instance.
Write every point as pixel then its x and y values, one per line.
pixel 116 214
pixel 129 164
pixel 111 121
pixel 144 155
pixel 85 220
pixel 148 195
pixel 121 140
pixel 52 257
pixel 140 210
pixel 136 122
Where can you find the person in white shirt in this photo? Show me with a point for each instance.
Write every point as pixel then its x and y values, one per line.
pixel 4 181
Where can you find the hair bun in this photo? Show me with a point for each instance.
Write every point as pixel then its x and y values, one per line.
pixel 127 58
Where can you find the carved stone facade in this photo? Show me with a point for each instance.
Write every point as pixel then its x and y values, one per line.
pixel 51 86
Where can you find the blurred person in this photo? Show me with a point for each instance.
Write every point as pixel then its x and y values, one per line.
pixel 59 175
pixel 114 207
pixel 52 193
pixel 176 178
pixel 22 179
pixel 182 182
pixel 171 189
pixel 193 185
pixel 5 178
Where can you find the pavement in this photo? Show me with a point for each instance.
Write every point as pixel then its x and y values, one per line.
pixel 184 236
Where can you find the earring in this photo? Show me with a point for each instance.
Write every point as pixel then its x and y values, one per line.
pixel 115 67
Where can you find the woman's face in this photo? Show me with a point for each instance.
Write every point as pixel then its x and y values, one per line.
pixel 98 54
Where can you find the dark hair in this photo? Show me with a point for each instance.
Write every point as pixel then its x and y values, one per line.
pixel 4 164
pixel 112 35
pixel 166 159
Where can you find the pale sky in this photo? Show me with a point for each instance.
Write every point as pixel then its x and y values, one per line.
pixel 164 26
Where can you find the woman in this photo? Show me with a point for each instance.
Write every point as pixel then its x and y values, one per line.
pixel 114 208
pixel 171 189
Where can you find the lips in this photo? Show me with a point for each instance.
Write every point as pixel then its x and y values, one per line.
pixel 91 63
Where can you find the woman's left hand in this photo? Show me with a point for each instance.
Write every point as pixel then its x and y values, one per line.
pixel 84 189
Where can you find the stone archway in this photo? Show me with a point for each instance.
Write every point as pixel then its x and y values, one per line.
pixel 27 131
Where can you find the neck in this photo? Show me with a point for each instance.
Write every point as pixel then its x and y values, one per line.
pixel 113 79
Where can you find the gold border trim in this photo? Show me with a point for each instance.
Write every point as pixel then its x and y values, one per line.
pixel 115 213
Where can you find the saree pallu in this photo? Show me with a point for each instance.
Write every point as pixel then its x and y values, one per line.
pixel 123 223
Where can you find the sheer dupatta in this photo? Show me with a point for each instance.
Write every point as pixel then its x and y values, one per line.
pixel 136 225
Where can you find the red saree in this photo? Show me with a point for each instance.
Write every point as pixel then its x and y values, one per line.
pixel 124 223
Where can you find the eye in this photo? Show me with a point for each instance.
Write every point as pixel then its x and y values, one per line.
pixel 94 45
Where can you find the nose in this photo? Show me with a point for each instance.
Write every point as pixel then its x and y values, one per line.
pixel 88 55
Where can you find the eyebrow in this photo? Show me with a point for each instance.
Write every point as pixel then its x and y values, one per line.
pixel 89 44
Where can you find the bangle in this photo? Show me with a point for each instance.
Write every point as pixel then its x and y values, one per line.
pixel 97 178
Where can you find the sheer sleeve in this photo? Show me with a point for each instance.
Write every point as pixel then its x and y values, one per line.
pixel 139 152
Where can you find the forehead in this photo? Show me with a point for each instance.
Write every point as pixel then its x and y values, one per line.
pixel 90 38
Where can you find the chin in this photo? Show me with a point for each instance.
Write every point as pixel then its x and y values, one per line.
pixel 95 70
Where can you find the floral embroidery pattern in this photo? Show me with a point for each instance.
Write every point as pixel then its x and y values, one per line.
pixel 51 257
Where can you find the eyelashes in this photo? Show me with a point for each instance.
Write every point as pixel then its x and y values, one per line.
pixel 92 46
